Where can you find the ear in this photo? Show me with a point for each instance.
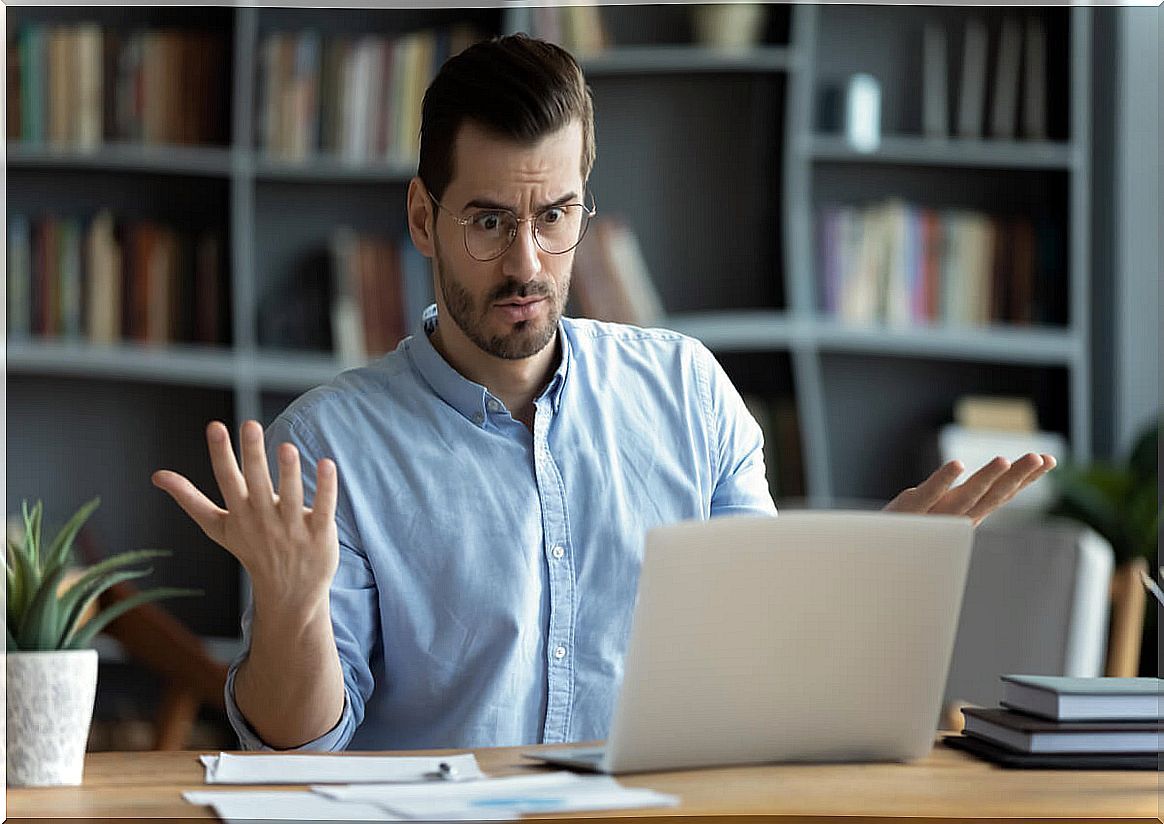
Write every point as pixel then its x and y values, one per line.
pixel 420 218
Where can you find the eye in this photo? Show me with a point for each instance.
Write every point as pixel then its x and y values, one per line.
pixel 555 214
pixel 487 221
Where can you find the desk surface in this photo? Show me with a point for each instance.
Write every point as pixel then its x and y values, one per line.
pixel 946 784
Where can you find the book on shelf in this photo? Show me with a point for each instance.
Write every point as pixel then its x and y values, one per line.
pixel 935 83
pixel 369 304
pixel 1064 698
pixel 579 28
pixel 780 429
pixel 80 85
pixel 996 412
pixel 357 98
pixel 905 265
pixel 1004 99
pixel 1028 733
pixel 611 279
pixel 972 86
pixel 1034 107
pixel 103 281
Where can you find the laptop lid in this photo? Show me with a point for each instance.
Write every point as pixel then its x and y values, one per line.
pixel 813 636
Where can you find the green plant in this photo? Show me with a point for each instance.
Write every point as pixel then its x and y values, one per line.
pixel 1119 501
pixel 44 615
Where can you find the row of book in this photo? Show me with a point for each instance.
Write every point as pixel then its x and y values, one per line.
pixel 902 264
pixel 77 86
pixel 104 281
pixel 1056 721
pixel 357 98
pixel 1017 106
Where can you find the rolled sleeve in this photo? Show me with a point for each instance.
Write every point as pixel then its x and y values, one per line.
pixel 737 444
pixel 336 738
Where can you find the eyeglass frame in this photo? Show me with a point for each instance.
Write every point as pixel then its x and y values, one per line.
pixel 591 211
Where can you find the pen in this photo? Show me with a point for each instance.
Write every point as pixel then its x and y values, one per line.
pixel 1152 587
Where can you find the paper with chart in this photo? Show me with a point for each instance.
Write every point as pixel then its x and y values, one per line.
pixel 507 797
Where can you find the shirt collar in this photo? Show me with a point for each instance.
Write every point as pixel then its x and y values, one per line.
pixel 469 398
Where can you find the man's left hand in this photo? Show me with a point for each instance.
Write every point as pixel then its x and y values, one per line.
pixel 979 495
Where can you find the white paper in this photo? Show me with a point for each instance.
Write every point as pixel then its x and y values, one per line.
pixel 503 798
pixel 285 805
pixel 228 768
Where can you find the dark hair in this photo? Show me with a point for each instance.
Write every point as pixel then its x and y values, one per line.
pixel 516 87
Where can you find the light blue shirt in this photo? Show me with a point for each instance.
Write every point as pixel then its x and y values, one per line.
pixel 487 573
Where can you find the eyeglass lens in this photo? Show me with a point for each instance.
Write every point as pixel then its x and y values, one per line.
pixel 557 230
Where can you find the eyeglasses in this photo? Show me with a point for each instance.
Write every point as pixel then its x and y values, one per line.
pixel 490 232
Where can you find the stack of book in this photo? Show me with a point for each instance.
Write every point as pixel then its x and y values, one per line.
pixel 1063 722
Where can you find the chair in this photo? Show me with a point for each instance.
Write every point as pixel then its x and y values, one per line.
pixel 192 676
pixel 1037 601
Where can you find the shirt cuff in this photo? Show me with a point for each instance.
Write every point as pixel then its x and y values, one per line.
pixel 333 740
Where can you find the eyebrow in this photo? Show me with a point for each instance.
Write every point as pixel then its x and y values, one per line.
pixel 485 203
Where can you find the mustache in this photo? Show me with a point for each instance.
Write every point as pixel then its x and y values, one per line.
pixel 515 289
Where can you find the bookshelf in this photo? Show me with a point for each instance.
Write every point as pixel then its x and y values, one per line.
pixel 716 156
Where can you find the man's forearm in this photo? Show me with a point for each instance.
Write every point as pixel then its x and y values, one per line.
pixel 290 688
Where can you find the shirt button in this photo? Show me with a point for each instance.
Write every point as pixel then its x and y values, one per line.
pixel 478 418
pixel 557 552
pixel 560 653
pixel 494 406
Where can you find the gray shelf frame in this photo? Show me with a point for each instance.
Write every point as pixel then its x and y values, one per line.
pixel 250 371
pixel 815 337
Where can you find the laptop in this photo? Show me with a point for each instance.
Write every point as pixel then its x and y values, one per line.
pixel 813 636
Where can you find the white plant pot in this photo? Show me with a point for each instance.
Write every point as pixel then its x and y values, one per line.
pixel 49 709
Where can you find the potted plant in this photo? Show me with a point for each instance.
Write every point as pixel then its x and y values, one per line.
pixel 51 674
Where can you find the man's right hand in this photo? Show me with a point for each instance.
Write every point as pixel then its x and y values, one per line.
pixel 290 552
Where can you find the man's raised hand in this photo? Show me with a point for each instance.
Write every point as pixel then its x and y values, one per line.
pixel 979 495
pixel 291 552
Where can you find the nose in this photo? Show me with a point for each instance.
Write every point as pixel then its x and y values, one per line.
pixel 522 260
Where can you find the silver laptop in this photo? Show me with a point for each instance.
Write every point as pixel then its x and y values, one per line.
pixel 814 636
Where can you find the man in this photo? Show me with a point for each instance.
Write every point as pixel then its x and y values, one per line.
pixel 467 577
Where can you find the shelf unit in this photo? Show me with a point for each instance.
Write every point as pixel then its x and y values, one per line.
pixel 721 181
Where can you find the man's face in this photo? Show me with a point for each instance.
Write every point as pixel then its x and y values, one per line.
pixel 508 307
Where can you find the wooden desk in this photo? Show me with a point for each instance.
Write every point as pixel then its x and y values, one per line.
pixel 946 785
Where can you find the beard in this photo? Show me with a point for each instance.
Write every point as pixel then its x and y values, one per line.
pixel 526 338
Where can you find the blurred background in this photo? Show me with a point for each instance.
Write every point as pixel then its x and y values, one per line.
pixel 908 233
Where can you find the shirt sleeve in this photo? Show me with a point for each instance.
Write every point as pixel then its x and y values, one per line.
pixel 354 614
pixel 737 446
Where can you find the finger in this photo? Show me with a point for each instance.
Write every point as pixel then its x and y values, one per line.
pixel 923 496
pixel 226 471
pixel 290 482
pixel 203 511
pixel 1049 463
pixel 1006 487
pixel 326 491
pixel 961 498
pixel 260 491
